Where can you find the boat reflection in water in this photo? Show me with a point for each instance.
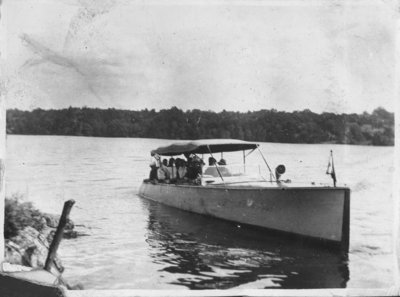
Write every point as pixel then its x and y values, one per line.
pixel 208 253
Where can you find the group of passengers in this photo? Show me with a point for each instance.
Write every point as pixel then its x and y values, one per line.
pixel 215 171
pixel 179 170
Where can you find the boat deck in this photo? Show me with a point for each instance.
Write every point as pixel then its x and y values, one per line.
pixel 240 183
pixel 257 181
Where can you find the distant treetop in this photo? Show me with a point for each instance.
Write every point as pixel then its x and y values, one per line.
pixel 304 126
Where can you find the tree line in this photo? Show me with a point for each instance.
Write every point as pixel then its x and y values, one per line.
pixel 304 126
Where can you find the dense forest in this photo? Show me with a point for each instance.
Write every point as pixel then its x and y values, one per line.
pixel 304 126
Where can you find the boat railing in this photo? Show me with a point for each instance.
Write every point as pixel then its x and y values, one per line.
pixel 254 174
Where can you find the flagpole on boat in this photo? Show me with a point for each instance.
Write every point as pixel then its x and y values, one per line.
pixel 331 169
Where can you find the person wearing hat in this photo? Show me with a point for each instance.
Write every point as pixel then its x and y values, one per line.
pixel 180 168
pixel 211 169
pixel 194 167
pixel 222 162
pixel 162 172
pixel 172 169
pixel 222 169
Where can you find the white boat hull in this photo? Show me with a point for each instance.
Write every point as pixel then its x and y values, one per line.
pixel 320 213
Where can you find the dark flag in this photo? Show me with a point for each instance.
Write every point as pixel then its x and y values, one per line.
pixel 331 169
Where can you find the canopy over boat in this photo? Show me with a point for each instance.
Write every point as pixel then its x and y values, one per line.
pixel 205 146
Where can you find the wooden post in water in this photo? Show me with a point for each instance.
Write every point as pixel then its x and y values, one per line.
pixel 2 169
pixel 59 234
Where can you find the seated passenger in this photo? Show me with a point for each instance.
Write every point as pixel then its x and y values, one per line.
pixel 195 167
pixel 190 170
pixel 172 169
pixel 212 169
pixel 222 169
pixel 163 173
pixel 222 162
pixel 180 168
pixel 211 161
pixel 165 162
pixel 198 164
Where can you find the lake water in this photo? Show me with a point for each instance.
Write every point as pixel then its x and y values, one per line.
pixel 132 243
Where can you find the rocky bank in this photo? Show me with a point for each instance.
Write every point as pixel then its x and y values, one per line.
pixel 30 246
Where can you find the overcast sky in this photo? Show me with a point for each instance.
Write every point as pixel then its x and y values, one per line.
pixel 336 56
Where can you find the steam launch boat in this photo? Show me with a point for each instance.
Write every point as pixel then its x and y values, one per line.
pixel 317 212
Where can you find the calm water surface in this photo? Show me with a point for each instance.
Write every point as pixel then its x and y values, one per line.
pixel 134 243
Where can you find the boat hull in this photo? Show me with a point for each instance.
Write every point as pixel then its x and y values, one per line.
pixel 319 213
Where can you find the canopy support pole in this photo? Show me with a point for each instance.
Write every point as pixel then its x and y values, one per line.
pixel 245 156
pixel 244 161
pixel 215 164
pixel 265 161
pixel 250 152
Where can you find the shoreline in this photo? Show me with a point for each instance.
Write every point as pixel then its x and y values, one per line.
pixel 128 137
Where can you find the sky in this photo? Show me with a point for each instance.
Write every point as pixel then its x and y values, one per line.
pixel 326 56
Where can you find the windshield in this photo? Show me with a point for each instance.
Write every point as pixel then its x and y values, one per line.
pixel 233 167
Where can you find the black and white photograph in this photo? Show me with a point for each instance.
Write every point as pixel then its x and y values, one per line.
pixel 199 148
